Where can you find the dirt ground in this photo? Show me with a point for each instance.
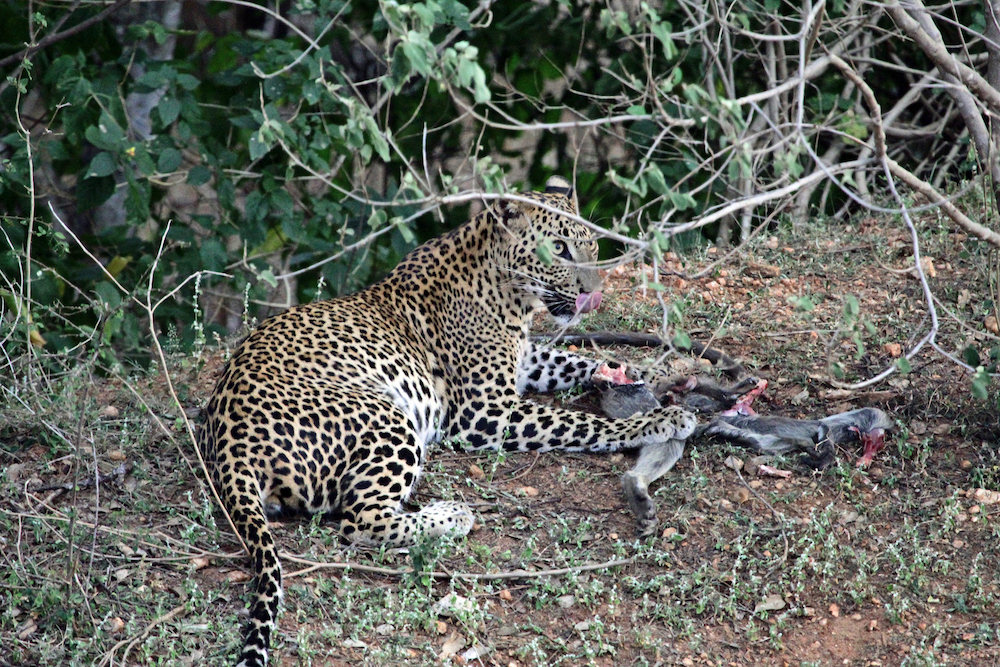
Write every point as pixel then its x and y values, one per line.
pixel 892 565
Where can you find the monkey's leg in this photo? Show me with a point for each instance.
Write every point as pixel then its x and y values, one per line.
pixel 654 462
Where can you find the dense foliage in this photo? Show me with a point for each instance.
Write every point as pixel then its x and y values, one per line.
pixel 236 160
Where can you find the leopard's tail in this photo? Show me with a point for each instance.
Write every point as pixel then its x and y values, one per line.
pixel 247 513
pixel 241 497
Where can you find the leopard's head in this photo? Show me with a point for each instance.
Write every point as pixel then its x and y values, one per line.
pixel 549 256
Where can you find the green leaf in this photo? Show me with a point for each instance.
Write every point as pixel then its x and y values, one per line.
pixel 199 175
pixel 212 254
pixel 851 307
pixel 636 110
pixel 661 31
pixel 971 356
pixel 404 230
pixel 169 161
pixel 257 147
pixel 106 135
pixel 903 364
pixel 377 138
pixel 376 220
pixel 544 250
pixel 137 195
pixel 168 108
pixel 102 165
pixel 681 200
pixel 267 275
pixel 143 162
pixel 803 303
pixel 682 341
pixel 656 180
pixel 980 384
pixel 415 49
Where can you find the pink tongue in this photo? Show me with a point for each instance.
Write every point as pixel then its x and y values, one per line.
pixel 588 301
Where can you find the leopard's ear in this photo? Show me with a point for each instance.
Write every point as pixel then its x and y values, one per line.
pixel 560 186
pixel 511 213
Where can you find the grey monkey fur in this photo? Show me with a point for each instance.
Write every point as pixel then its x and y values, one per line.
pixel 817 439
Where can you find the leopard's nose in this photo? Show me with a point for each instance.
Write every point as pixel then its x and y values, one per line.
pixel 588 301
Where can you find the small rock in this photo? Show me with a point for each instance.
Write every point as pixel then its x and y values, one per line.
pixel 475 653
pixel 506 596
pixel 582 626
pixel 734 463
pixel 991 324
pixel 835 610
pixel 986 497
pixel 566 601
pixel 385 629
pixel 772 602
pixel 453 603
pixel 475 472
pixel 529 491
pixel 116 625
pixel 893 349
pixel 109 411
pixel 668 532
pixel 353 643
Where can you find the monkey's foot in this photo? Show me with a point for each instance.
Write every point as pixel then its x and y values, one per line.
pixel 637 493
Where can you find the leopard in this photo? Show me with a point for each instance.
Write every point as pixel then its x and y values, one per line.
pixel 331 406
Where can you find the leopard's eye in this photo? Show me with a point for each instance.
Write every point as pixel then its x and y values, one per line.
pixel 562 249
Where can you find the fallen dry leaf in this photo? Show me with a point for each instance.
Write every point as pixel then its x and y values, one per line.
pixel 991 325
pixel 772 602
